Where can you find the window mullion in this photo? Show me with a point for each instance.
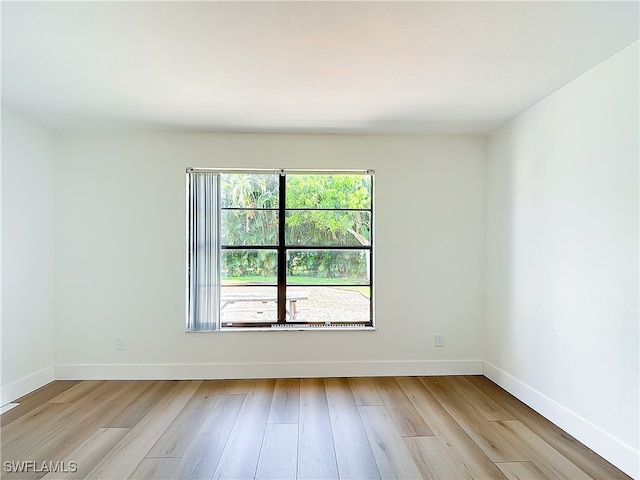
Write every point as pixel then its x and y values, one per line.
pixel 282 251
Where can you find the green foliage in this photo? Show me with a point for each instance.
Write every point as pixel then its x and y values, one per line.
pixel 316 223
pixel 319 225
pixel 260 263
pixel 249 190
pixel 328 191
pixel 348 265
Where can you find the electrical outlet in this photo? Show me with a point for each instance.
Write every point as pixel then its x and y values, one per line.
pixel 119 343
pixel 439 340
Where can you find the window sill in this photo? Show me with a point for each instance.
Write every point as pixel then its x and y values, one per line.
pixel 286 329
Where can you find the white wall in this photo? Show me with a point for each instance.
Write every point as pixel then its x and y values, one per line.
pixel 27 256
pixel 120 257
pixel 562 284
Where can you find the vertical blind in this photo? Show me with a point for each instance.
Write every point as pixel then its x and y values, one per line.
pixel 203 262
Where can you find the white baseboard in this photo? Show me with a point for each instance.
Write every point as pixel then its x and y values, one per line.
pixel 265 370
pixel 8 406
pixel 27 384
pixel 610 448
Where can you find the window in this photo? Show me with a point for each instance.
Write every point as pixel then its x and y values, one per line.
pixel 279 249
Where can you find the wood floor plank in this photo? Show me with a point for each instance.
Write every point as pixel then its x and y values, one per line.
pixel 237 387
pixel 472 461
pixel 240 456
pixel 403 413
pixel 127 454
pixel 131 413
pixel 433 458
pixel 521 471
pixel 364 391
pixel 35 399
pixel 391 454
pixel 83 420
pixel 279 453
pixel 285 406
pixel 88 454
pixel 46 420
pixel 79 391
pixel 548 459
pixel 154 468
pixel 205 449
pixel 316 452
pixel 175 439
pixel 504 441
pixel 354 456
pixel 483 432
pixel 92 395
pixel 485 405
pixel 587 460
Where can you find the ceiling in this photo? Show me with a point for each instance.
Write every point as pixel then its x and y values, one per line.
pixel 335 67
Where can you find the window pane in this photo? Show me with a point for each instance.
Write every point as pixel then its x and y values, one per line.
pixel 249 190
pixel 328 267
pixel 328 304
pixel 325 227
pixel 328 191
pixel 248 305
pixel 248 227
pixel 248 267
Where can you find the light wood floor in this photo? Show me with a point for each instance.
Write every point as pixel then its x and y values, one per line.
pixel 358 428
